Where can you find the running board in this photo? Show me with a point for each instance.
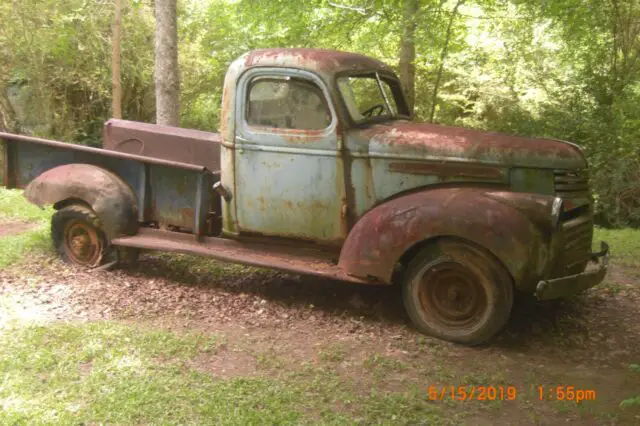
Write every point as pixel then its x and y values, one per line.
pixel 279 256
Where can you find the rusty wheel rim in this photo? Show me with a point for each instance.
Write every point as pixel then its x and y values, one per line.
pixel 82 243
pixel 452 294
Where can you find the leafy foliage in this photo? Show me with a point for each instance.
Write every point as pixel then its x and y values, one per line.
pixel 566 69
pixel 61 51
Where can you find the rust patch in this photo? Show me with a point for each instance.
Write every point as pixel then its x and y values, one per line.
pixel 108 195
pixel 9 164
pixel 448 169
pixel 228 103
pixel 384 234
pixel 187 215
pixel 305 136
pixel 98 151
pixel 444 141
pixel 154 210
pixel 325 60
pixel 164 142
pixel 297 258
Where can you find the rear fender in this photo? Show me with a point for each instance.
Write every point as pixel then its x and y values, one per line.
pixel 507 224
pixel 106 193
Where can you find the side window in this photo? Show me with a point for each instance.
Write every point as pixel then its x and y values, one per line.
pixel 286 103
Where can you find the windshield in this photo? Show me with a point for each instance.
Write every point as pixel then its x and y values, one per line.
pixel 368 96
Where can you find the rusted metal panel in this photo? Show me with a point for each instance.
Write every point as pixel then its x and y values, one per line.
pixel 289 181
pixel 34 158
pixel 9 166
pixel 68 147
pixel 165 142
pixel 575 237
pixel 385 233
pixel 143 194
pixel 202 203
pixel 404 139
pixel 450 170
pixel 164 191
pixel 108 195
pixel 319 66
pixel 531 180
pixel 289 195
pixel 315 60
pixel 568 285
pixel 573 187
pixel 174 194
pixel 271 254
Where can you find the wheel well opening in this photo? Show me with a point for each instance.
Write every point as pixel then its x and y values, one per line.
pixel 70 201
pixel 403 262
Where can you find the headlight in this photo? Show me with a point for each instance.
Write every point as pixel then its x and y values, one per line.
pixel 556 210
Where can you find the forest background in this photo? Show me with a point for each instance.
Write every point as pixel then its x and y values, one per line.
pixel 565 69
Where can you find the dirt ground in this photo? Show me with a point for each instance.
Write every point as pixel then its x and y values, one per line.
pixel 15 228
pixel 587 342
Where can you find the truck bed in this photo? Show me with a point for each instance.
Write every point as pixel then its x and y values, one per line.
pixel 167 192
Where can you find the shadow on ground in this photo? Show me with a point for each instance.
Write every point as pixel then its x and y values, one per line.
pixel 586 322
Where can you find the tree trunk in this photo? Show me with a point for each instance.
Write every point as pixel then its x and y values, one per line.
pixel 116 88
pixel 8 122
pixel 410 9
pixel 166 67
pixel 443 57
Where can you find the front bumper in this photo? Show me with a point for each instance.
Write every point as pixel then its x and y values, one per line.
pixel 572 284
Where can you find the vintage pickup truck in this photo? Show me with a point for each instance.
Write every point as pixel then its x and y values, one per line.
pixel 318 169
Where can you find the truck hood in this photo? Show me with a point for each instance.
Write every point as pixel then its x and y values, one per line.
pixel 409 140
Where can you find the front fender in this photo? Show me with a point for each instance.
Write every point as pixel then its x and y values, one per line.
pixel 506 224
pixel 108 195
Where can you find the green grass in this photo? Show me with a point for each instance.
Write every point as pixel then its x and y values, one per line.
pixel 13 206
pixel 624 244
pixel 633 401
pixel 14 247
pixel 112 373
pixel 333 353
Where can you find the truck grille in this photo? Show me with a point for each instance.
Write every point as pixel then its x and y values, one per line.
pixel 576 221
pixel 571 183
pixel 576 235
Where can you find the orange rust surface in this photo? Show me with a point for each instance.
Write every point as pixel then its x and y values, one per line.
pixel 448 170
pixel 313 59
pixel 470 142
pixel 273 255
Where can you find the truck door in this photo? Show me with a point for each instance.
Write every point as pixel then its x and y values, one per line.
pixel 289 174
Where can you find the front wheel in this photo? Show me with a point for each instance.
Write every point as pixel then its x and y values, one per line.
pixel 458 292
pixel 78 236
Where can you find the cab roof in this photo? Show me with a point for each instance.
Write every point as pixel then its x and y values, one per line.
pixel 324 61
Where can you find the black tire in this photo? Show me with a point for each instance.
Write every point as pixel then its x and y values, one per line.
pixel 456 291
pixel 78 237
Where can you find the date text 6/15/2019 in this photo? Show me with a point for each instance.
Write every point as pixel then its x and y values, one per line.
pixel 510 393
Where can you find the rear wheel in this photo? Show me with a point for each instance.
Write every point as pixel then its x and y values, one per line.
pixel 458 292
pixel 78 236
